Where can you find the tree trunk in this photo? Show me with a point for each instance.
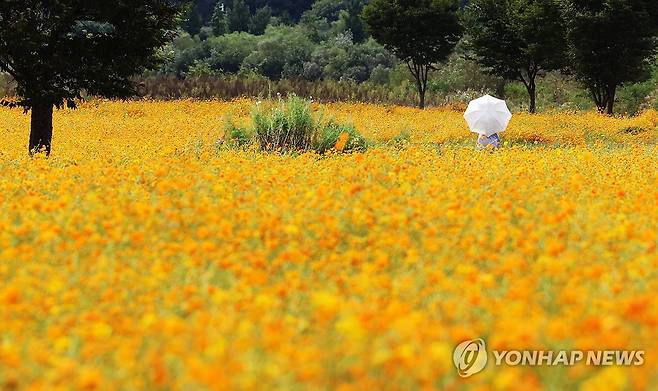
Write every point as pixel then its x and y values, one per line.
pixel 530 85
pixel 420 73
pixel 41 128
pixel 422 88
pixel 612 91
pixel 500 88
pixel 532 92
pixel 421 103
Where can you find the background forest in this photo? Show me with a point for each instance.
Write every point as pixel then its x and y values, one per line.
pixel 321 49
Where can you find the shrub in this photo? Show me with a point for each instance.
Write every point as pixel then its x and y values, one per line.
pixel 199 69
pixel 235 136
pixel 290 125
pixel 229 51
pixel 329 133
pixel 282 48
pixel 182 54
pixel 634 97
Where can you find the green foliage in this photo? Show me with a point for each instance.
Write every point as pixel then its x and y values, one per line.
pixel 280 53
pixel 341 59
pixel 191 22
pixel 228 52
pixel 289 9
pixel 235 136
pixel 238 17
pixel 183 53
pixel 424 32
pixel 218 21
pixel 260 21
pixel 290 125
pixel 633 98
pixel 461 73
pixel 611 42
pixel 421 34
pixel 54 50
pixel 517 39
pixel 198 69
pixel 349 20
pixel 328 134
pixel 7 85
pixel 380 75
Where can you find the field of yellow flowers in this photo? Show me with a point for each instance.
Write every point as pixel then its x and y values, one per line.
pixel 141 256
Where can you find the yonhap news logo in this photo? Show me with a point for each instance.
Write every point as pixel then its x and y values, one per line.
pixel 470 357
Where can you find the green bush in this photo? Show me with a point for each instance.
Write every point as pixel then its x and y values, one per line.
pixel 633 98
pixel 235 136
pixel 227 52
pixel 329 133
pixel 280 53
pixel 290 125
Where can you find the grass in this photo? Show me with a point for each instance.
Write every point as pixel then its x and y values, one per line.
pixel 290 125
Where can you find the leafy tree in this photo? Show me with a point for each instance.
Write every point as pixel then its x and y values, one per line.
pixel 183 53
pixel 192 22
pixel 611 42
pixel 349 20
pixel 288 9
pixel 218 20
pixel 420 32
pixel 341 59
pixel 332 17
pixel 206 9
pixel 238 17
pixel 325 9
pixel 280 53
pixel 260 20
pixel 318 20
pixel 517 39
pixel 56 49
pixel 227 52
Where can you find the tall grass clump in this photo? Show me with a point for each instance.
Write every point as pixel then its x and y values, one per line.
pixel 291 125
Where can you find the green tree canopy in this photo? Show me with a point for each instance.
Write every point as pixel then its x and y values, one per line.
pixel 192 21
pixel 611 43
pixel 218 20
pixel 56 49
pixel 260 20
pixel 420 32
pixel 238 17
pixel 516 39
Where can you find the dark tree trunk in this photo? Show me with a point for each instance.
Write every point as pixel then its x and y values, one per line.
pixel 420 73
pixel 41 128
pixel 533 98
pixel 604 97
pixel 610 107
pixel 532 92
pixel 531 86
pixel 500 88
pixel 599 99
pixel 421 103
